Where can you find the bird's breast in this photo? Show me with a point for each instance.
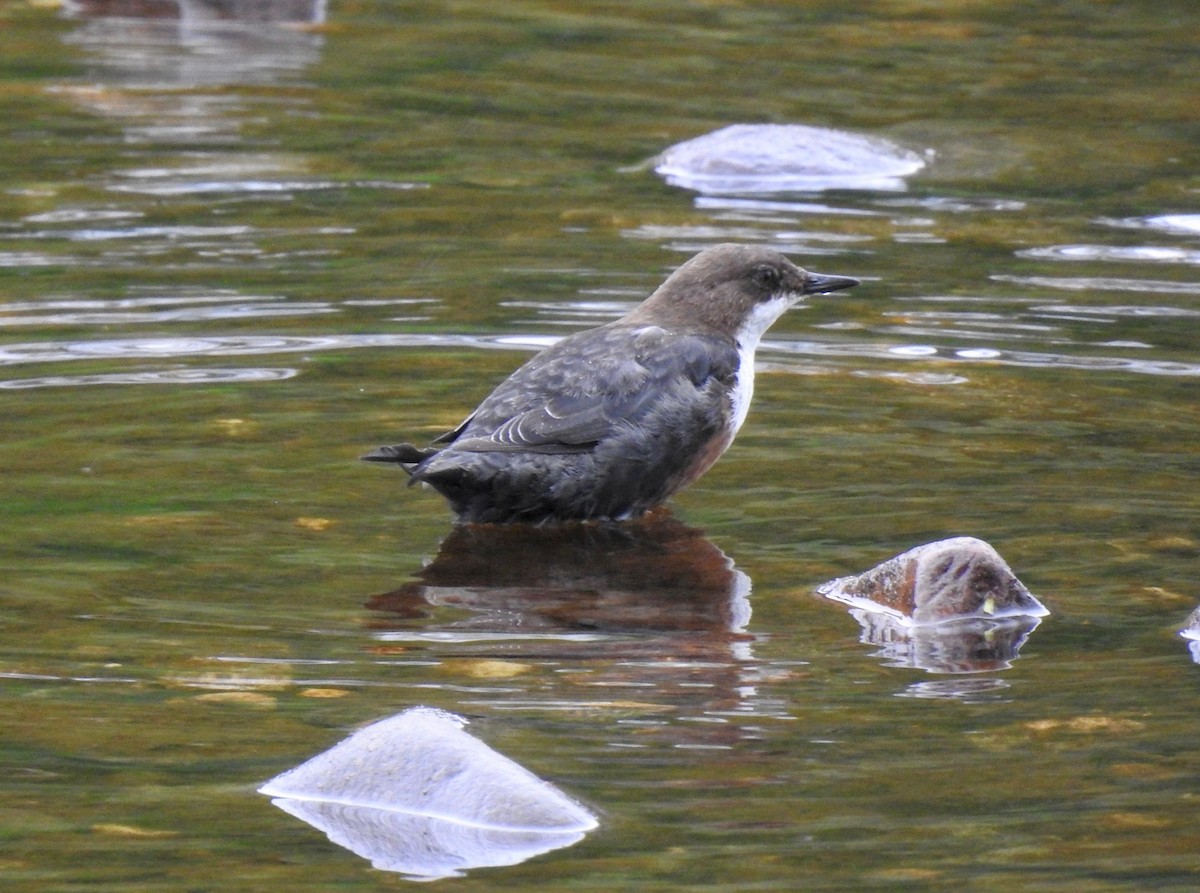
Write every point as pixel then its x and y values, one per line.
pixel 742 391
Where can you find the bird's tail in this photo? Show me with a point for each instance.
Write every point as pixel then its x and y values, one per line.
pixel 405 455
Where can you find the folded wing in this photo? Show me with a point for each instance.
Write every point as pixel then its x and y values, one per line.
pixel 553 412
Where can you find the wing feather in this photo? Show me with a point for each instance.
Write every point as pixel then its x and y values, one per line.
pixel 560 411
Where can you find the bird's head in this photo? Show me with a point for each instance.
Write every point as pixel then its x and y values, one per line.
pixel 734 290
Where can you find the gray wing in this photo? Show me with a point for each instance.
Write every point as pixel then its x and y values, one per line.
pixel 547 406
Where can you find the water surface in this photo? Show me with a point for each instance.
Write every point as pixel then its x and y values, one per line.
pixel 234 258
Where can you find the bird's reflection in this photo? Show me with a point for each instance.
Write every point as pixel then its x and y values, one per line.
pixel 652 611
pixel 657 574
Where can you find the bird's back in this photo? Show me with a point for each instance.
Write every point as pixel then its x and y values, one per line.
pixel 604 424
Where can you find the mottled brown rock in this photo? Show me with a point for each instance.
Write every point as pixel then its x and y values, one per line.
pixel 946 580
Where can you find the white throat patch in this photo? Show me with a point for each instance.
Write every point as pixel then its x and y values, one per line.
pixel 756 323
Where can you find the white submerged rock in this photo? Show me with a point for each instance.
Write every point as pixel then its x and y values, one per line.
pixel 745 159
pixel 1177 224
pixel 416 794
pixel 1191 632
pixel 1191 629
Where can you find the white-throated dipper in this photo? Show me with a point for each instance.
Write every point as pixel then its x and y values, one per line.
pixel 608 423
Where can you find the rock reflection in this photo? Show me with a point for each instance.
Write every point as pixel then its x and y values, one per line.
pixel 953 606
pixel 416 794
pixel 192 43
pixel 160 69
pixel 956 646
pixel 653 610
pixel 971 690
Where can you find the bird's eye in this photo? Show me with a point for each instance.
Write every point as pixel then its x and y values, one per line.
pixel 766 278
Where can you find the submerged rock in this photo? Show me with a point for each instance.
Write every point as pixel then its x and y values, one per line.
pixel 1177 224
pixel 952 606
pixel 772 158
pixel 416 794
pixel 951 579
pixel 1191 632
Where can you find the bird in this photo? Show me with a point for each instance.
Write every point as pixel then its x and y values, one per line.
pixel 608 423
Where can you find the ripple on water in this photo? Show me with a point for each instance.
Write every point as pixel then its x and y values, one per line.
pixel 1175 224
pixel 1078 311
pixel 577 313
pixel 694 239
pixel 989 355
pixel 162 376
pixel 954 204
pixel 971 324
pixel 1122 253
pixel 156 309
pixel 185 187
pixel 19 259
pixel 82 215
pixel 233 345
pixel 776 206
pixel 239 345
pixel 935 379
pixel 1101 283
pixel 98 234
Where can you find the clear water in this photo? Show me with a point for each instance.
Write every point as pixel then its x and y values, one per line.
pixel 234 259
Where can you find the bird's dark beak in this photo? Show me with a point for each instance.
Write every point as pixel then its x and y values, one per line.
pixel 819 283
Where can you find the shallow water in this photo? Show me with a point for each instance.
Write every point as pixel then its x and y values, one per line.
pixel 311 241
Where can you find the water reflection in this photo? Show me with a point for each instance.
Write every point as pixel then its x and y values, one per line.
pixel 777 355
pixel 692 238
pixel 158 68
pixel 1103 283
pixel 220 345
pixel 970 645
pixel 165 308
pixel 161 376
pixel 191 43
pixel 927 352
pixel 1121 253
pixel 653 609
pixel 760 208
pixel 973 690
pixel 653 575
pixel 416 794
